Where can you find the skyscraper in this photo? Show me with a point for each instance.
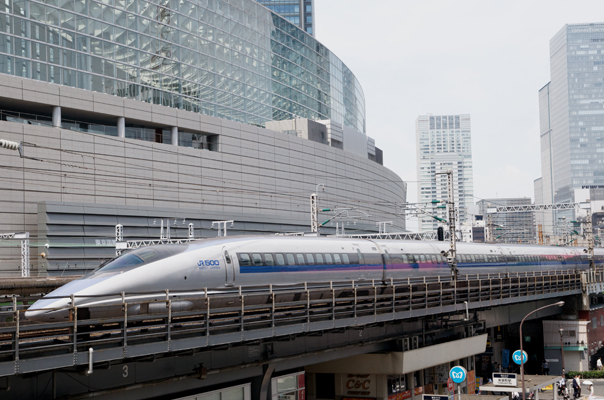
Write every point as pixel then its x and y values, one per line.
pixel 572 118
pixel 298 12
pixel 443 143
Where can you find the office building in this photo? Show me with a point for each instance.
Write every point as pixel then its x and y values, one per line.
pixel 511 227
pixel 138 114
pixel 298 12
pixel 443 143
pixel 572 119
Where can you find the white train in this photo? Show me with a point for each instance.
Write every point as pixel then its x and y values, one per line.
pixel 261 260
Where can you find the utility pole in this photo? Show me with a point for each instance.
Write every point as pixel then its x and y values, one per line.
pixel 588 231
pixel 540 228
pixel 119 237
pixel 314 218
pixel 220 225
pixel 382 226
pixel 489 229
pixel 452 253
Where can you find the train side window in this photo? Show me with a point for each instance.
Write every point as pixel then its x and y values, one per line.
pixel 257 258
pixel 319 258
pixel 328 259
pixel 310 259
pixel 411 259
pixel 268 260
pixel 244 260
pixel 300 258
pixel 337 259
pixel 290 259
pixel 280 259
pixel 405 258
pixel 345 259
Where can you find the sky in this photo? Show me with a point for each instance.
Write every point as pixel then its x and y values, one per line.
pixel 485 58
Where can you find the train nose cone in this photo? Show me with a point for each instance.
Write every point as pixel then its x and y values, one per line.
pixel 55 305
pixel 48 310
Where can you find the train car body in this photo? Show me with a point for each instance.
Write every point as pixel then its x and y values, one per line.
pixel 252 261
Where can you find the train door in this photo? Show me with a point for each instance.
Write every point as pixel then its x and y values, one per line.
pixel 383 259
pixel 229 266
pixel 362 265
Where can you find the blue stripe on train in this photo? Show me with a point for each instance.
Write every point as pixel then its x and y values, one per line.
pixel 390 267
pixel 309 268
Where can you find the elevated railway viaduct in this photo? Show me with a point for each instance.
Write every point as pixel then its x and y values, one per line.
pixel 252 337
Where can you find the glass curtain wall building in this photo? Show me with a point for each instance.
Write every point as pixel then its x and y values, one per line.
pixel 298 12
pixel 443 143
pixel 572 118
pixel 235 60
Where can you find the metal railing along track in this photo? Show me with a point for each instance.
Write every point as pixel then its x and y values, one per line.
pixel 248 314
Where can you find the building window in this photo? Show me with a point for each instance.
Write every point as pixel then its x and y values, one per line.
pixel 289 387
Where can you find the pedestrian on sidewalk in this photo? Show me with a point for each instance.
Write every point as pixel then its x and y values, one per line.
pixel 591 391
pixel 599 364
pixel 577 386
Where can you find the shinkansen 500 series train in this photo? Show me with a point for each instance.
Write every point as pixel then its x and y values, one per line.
pixel 247 261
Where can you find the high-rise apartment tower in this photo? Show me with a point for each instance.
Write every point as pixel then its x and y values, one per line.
pixel 298 12
pixel 443 143
pixel 572 118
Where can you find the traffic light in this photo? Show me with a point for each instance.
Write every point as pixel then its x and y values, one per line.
pixel 440 234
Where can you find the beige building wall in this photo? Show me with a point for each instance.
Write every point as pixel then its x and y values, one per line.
pixel 255 172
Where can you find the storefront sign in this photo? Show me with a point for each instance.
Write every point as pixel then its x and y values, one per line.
pixel 478 384
pixel 434 397
pixel 359 385
pixel 400 396
pixel 419 390
pixel 429 388
pixel 471 382
pixel 442 373
pixel 505 379
pixel 450 385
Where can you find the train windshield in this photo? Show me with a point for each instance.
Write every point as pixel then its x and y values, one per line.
pixel 142 256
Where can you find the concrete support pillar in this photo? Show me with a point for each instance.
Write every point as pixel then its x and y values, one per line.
pixel 121 127
pixel 174 131
pixel 56 117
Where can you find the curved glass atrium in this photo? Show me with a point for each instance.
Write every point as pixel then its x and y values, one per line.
pixel 230 59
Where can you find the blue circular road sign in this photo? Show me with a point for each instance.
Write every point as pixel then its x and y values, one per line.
pixel 516 357
pixel 458 374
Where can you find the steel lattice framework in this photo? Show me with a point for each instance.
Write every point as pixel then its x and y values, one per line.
pixel 428 235
pixel 135 244
pixel 534 207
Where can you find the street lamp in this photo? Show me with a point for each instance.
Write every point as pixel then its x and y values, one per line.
pixel 562 352
pixel 559 304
